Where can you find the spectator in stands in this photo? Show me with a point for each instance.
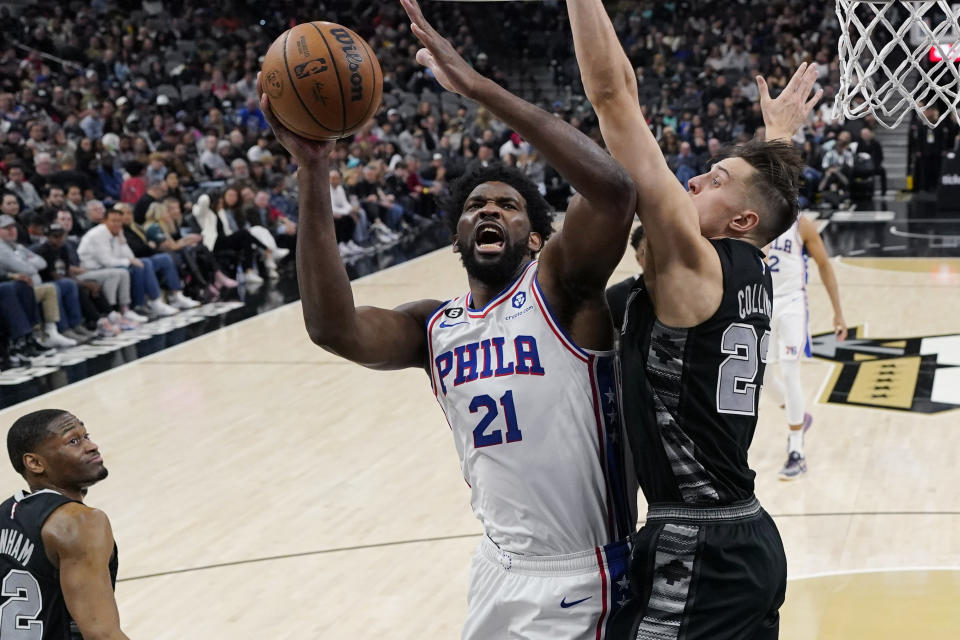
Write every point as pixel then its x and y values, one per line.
pixel 156 169
pixel 104 247
pixel 837 163
pixel 160 263
pixel 870 145
pixel 10 205
pixel 205 277
pixel 109 177
pixel 18 317
pixel 382 209
pixel 232 245
pixel 113 284
pixel 19 263
pixel 62 268
pixel 348 215
pixel 213 164
pixel 18 185
pixel 134 186
pixel 156 190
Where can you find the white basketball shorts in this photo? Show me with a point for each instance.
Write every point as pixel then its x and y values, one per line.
pixel 568 597
pixel 789 333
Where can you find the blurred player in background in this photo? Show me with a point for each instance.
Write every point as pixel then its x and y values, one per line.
pixel 790 336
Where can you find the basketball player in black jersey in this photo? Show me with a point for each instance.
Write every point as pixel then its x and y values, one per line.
pixel 709 562
pixel 58 560
pixel 617 294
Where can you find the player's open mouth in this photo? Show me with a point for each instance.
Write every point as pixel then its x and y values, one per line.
pixel 489 237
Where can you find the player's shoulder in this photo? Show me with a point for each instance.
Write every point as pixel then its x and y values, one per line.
pixel 74 522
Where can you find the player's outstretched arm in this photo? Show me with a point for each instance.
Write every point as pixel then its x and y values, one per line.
pixel 678 257
pixel 584 254
pixel 80 541
pixel 373 337
pixel 813 244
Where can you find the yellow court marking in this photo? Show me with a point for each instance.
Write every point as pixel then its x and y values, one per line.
pixel 912 265
pixel 876 605
pixel 887 383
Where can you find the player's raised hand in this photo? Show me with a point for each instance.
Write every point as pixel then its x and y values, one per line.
pixel 789 111
pixel 450 69
pixel 304 150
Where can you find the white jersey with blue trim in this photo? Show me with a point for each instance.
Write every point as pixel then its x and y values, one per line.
pixel 536 422
pixel 788 265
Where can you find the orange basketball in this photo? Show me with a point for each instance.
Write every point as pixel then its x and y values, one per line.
pixel 323 80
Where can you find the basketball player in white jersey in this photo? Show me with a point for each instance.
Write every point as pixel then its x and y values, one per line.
pixel 521 363
pixel 790 338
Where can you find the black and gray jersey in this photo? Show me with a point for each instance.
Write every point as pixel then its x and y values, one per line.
pixel 31 602
pixel 690 395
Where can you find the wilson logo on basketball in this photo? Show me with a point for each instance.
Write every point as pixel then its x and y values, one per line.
pixel 354 60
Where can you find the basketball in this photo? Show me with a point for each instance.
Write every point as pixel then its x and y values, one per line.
pixel 323 80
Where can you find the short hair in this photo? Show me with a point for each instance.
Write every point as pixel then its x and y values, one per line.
pixel 772 189
pixel 156 183
pixel 637 237
pixel 93 203
pixel 28 432
pixel 538 210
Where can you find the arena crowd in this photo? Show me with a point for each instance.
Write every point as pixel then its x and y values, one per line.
pixel 139 177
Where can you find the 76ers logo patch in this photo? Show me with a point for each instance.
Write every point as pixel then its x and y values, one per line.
pixel 454 313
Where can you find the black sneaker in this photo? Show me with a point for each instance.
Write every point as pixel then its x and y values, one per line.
pixel 30 348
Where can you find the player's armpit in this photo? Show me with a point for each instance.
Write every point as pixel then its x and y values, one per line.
pixel 385 339
pixel 80 541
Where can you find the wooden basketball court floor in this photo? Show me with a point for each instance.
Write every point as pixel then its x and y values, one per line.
pixel 260 488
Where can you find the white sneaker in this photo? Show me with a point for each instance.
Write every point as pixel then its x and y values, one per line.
pixel 179 301
pixel 160 308
pixel 53 340
pixel 280 253
pixel 354 247
pixel 252 277
pixel 129 316
pixel 384 236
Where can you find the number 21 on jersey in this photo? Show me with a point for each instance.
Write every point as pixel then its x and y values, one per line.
pixel 737 377
pixel 485 403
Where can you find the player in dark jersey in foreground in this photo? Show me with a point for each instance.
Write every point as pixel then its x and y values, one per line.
pixel 709 562
pixel 58 560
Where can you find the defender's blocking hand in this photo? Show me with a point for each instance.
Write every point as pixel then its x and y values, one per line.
pixel 791 108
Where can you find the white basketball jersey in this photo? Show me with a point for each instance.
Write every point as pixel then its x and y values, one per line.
pixel 788 264
pixel 536 422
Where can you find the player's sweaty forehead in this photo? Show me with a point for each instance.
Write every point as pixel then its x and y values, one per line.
pixel 500 192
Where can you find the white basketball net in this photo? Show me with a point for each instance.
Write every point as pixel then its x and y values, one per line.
pixel 899 56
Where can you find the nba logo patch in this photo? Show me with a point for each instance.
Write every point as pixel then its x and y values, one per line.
pixel 791 351
pixel 519 299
